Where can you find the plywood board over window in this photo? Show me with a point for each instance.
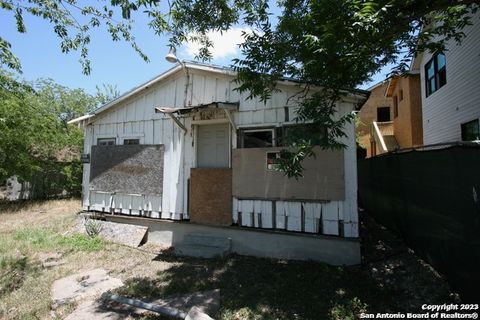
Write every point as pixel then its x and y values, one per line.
pixel 323 176
pixel 128 169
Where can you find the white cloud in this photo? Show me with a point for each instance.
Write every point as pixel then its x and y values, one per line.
pixel 224 44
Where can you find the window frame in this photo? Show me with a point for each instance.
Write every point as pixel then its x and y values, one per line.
pixel 101 140
pixel 131 139
pixel 437 73
pixel 463 129
pixel 242 131
pixel 384 109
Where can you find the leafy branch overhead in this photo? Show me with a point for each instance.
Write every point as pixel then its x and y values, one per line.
pixel 328 44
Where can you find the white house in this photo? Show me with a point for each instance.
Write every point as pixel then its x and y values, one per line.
pixel 187 146
pixel 449 85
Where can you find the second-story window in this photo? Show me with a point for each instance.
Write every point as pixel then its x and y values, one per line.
pixel 435 73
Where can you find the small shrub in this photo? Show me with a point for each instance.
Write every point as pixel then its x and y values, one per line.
pixel 93 227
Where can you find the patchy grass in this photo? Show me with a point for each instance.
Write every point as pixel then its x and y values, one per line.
pixel 391 279
pixel 47 239
pixel 12 273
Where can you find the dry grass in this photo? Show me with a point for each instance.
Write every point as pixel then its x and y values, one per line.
pixel 31 231
pixel 251 288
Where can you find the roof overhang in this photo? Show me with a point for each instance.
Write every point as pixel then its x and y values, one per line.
pixel 80 119
pixel 225 106
pixel 391 87
pixel 231 106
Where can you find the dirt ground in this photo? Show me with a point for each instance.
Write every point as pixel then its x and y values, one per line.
pixel 38 246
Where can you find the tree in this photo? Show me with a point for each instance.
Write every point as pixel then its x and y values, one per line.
pixel 35 140
pixel 330 44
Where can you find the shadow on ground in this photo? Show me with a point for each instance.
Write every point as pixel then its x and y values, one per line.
pixel 390 279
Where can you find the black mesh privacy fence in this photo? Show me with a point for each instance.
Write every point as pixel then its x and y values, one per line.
pixel 432 199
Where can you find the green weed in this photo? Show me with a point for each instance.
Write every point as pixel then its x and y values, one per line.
pixel 46 239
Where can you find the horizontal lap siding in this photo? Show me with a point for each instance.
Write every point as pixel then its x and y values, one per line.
pixel 457 101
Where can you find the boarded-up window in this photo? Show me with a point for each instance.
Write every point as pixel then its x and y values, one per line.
pixel 131 169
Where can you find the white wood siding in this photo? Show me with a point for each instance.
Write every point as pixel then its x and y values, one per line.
pixel 458 101
pixel 135 118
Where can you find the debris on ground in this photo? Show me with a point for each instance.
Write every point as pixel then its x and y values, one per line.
pixel 193 306
pixel 121 233
pixel 50 259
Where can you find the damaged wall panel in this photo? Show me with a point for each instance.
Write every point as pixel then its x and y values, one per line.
pixel 324 176
pixel 128 169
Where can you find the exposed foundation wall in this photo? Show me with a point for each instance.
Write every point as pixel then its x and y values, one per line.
pixel 260 243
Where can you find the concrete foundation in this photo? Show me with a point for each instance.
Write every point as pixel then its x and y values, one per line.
pixel 259 243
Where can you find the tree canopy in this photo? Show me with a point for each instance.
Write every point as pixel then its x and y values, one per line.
pixel 35 139
pixel 331 44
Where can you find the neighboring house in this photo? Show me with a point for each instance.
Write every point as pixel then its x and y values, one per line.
pixel 449 89
pixel 187 146
pixel 377 108
pixel 391 118
pixel 15 190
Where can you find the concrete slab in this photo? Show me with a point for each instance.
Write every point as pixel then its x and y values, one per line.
pixel 82 285
pixel 203 245
pixel 127 234
pixel 197 314
pixel 198 251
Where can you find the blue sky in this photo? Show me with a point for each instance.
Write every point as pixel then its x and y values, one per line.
pixel 113 63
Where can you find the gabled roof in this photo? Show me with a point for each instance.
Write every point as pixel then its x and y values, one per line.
pixel 177 68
